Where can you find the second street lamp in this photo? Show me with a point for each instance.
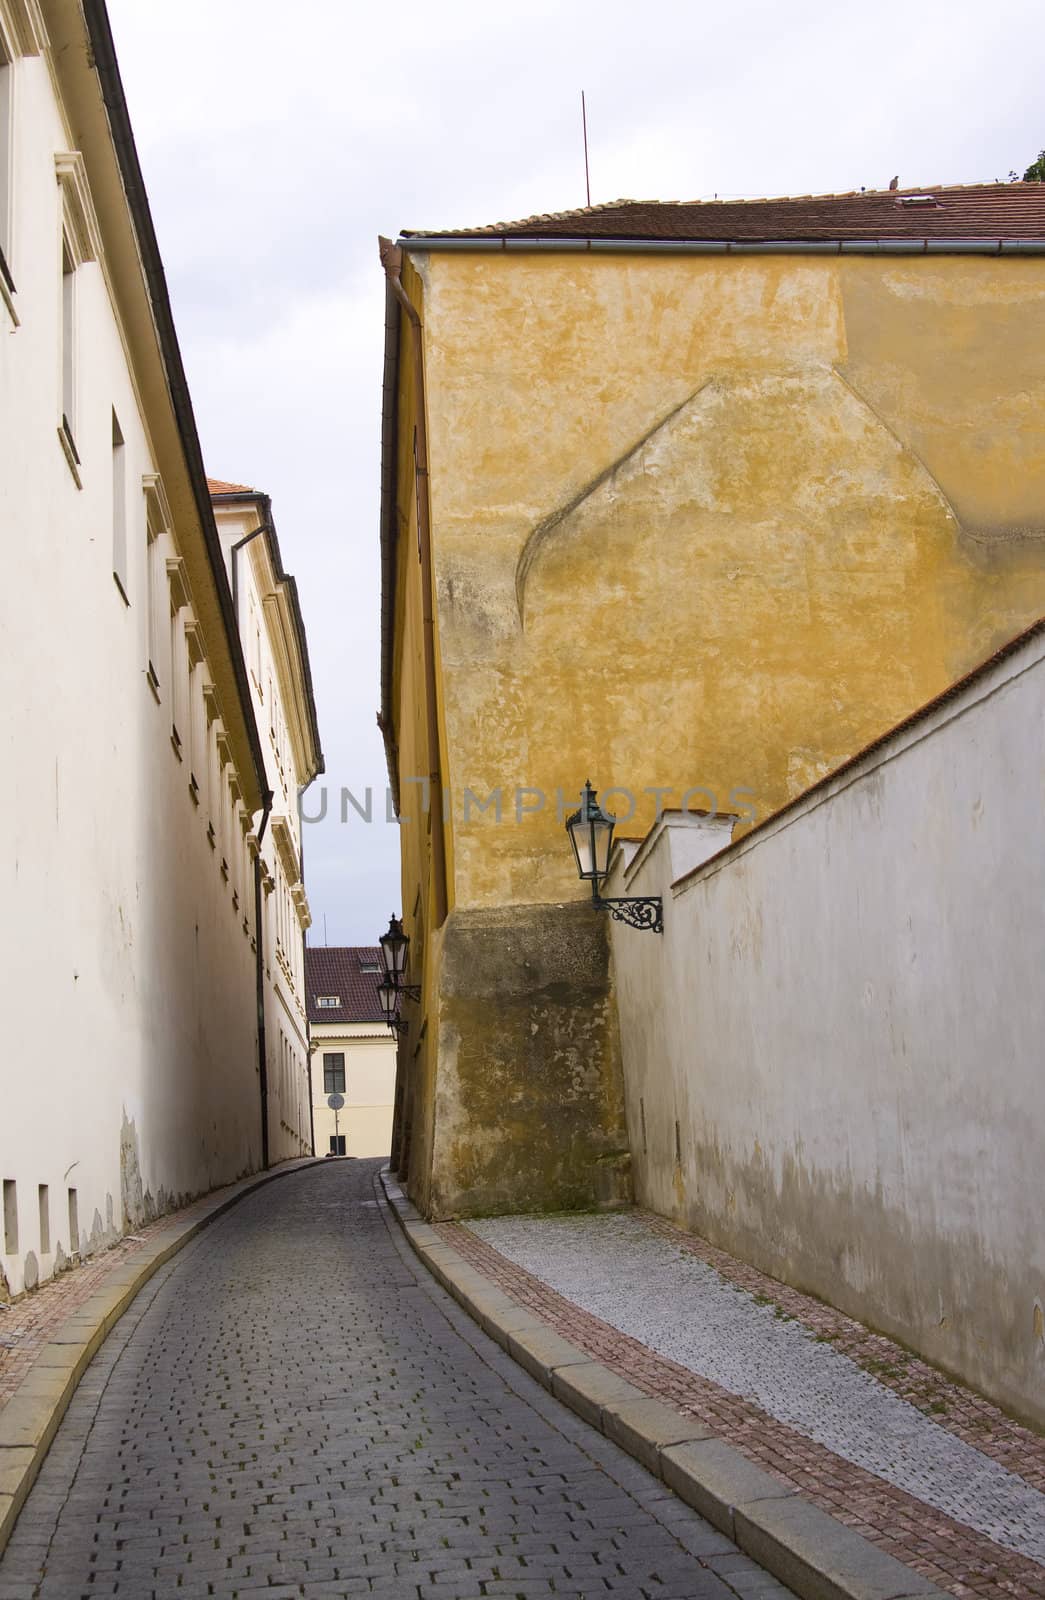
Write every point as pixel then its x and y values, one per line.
pixel 388 995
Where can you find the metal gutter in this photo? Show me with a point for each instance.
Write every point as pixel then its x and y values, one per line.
pixel 104 61
pixel 725 247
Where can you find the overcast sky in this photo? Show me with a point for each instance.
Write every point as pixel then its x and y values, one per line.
pixel 278 141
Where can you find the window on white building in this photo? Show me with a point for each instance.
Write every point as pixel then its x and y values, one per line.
pixel 337 1144
pixel 6 125
pixel 119 510
pixel 334 1072
pixel 328 1002
pixel 69 347
pixel 155 593
pixel 179 723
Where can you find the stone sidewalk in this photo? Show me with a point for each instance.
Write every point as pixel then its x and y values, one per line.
pixel 291 1407
pixel 922 1468
pixel 27 1324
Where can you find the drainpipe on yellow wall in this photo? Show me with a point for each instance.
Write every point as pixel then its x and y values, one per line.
pixel 392 261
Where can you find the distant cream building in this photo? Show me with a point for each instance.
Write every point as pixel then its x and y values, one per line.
pixel 353 1052
pixel 265 599
pixel 136 772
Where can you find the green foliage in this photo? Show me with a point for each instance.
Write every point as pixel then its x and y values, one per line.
pixel 1035 173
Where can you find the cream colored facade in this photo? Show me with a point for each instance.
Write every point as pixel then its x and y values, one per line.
pixel 135 769
pixel 365 1122
pixel 353 1052
pixel 276 655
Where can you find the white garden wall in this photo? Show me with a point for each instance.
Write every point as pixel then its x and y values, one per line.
pixel 835 1056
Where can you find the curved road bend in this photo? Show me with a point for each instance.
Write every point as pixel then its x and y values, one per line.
pixel 292 1407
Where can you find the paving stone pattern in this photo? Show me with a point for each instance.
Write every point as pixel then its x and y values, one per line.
pixel 640 1282
pixel 292 1407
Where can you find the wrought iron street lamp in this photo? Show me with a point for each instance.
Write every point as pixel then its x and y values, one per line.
pixel 395 946
pixel 591 835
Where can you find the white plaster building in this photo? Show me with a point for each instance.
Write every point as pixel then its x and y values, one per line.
pixel 134 767
pixel 353 1052
pixel 273 635
pixel 833 1056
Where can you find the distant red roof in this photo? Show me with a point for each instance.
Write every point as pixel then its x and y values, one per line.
pixel 219 486
pixel 339 973
pixel 968 211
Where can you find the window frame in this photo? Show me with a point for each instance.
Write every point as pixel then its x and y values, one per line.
pixel 7 123
pixel 333 1068
pixel 120 518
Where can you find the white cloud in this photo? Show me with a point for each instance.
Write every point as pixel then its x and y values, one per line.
pixel 277 144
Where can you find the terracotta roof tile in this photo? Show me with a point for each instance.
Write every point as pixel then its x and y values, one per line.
pixel 336 971
pixel 219 486
pixel 968 211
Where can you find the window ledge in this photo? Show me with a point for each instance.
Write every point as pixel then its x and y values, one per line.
pixel 153 681
pixel 124 596
pixel 65 439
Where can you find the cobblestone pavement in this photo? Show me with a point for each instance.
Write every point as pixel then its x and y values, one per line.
pixel 292 1407
pixel 958 1498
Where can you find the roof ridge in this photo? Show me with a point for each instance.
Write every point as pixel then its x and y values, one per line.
pixel 964 210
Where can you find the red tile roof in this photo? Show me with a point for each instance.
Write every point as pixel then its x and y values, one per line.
pixel 336 971
pixel 969 211
pixel 219 486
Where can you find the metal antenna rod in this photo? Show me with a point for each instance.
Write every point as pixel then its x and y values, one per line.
pixel 584 124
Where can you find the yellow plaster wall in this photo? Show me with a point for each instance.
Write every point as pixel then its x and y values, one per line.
pixel 712 522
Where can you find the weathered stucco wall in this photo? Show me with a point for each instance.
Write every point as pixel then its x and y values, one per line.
pixel 715 522
pixel 528 1106
pixel 697 523
pixel 833 1057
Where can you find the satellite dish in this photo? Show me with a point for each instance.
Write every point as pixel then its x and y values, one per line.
pixel 335 1101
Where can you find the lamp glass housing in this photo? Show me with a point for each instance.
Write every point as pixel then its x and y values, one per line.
pixel 591 835
pixel 394 946
pixel 388 995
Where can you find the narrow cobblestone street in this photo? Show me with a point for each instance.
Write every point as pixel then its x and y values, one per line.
pixel 293 1408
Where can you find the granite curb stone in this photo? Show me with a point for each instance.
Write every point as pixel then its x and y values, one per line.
pixel 713 1478
pixel 645 1428
pixel 814 1554
pixel 590 1387
pixel 821 1557
pixel 30 1419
